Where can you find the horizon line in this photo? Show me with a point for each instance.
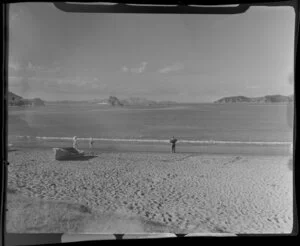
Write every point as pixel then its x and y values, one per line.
pixel 94 99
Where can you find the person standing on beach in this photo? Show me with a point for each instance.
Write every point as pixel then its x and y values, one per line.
pixel 173 143
pixel 75 144
pixel 91 143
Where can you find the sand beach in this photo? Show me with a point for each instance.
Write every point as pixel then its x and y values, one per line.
pixel 132 192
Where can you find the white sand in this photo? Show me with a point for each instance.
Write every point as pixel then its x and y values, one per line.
pixel 176 193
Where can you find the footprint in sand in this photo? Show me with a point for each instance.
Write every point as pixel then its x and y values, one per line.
pixel 149 215
pixel 166 218
pixel 159 205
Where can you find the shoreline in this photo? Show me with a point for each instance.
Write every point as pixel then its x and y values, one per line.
pixel 157 147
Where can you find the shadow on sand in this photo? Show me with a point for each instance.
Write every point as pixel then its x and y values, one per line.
pixel 11 150
pixel 79 158
pixel 11 190
pixel 34 215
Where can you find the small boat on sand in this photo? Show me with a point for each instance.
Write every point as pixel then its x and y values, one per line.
pixel 67 153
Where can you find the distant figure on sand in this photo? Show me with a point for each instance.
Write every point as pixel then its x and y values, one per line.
pixel 173 142
pixel 91 142
pixel 75 145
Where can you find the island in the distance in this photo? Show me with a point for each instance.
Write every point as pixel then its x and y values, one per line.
pixel 132 101
pixel 15 100
pixel 264 99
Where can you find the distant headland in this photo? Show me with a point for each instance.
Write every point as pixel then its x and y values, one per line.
pixel 15 100
pixel 264 99
pixel 132 101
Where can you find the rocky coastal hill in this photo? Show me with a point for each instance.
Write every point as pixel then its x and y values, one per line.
pixel 15 100
pixel 111 101
pixel 132 101
pixel 264 99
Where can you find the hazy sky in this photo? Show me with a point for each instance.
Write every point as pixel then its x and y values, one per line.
pixel 188 58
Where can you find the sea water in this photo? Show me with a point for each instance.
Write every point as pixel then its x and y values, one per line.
pixel 197 124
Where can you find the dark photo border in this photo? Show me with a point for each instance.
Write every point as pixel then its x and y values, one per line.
pixel 10 239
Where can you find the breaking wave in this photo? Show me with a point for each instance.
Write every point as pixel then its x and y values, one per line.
pixel 204 142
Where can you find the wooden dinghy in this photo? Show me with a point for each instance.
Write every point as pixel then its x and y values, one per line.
pixel 67 153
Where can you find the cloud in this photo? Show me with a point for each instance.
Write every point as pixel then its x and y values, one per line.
pixel 139 69
pixel 15 13
pixel 29 70
pixel 55 84
pixel 71 83
pixel 172 68
pixel 42 69
pixel 125 69
pixel 14 16
pixel 15 66
pixel 252 87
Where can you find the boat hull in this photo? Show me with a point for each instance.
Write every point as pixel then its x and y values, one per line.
pixel 67 153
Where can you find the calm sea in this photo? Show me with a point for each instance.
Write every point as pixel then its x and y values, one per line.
pixel 187 122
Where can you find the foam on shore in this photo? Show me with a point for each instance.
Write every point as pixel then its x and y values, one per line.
pixel 205 142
